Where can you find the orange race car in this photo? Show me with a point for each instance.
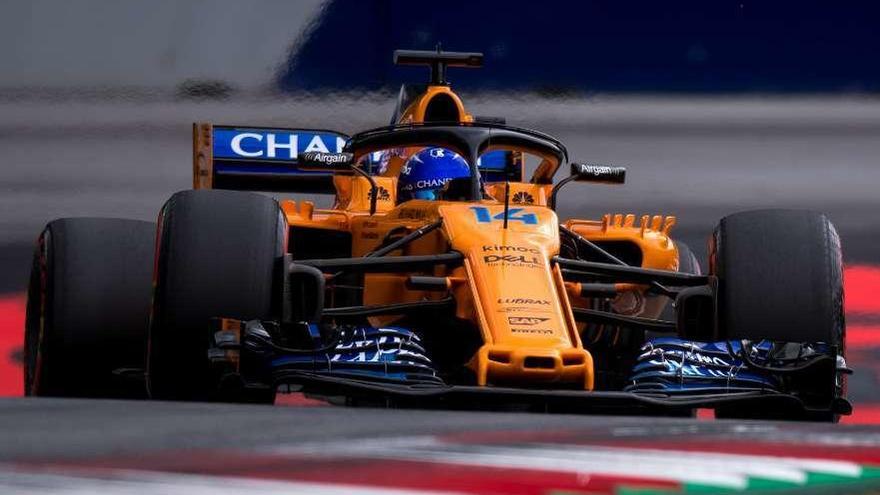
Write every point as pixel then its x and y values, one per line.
pixel 440 277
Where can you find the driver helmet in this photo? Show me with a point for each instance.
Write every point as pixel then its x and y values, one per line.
pixel 425 173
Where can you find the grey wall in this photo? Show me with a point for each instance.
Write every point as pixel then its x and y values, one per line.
pixel 154 44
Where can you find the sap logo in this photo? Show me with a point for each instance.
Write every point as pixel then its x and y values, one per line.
pixel 513 215
pixel 282 146
pixel 525 320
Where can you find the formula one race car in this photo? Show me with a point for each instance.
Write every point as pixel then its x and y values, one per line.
pixel 441 277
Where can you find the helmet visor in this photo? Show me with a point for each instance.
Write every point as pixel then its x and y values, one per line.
pixel 429 194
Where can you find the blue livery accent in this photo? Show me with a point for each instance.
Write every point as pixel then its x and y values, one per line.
pixel 670 365
pixel 674 366
pixel 253 152
pixel 425 173
pixel 495 161
pixel 483 215
pixel 499 166
pixel 283 145
pixel 384 353
pixel 719 46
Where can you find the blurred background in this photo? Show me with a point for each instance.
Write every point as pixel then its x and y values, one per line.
pixel 714 107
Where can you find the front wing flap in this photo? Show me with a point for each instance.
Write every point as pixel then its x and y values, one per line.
pixel 355 392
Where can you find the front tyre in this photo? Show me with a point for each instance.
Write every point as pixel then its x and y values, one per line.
pixel 216 256
pixel 88 308
pixel 687 263
pixel 780 278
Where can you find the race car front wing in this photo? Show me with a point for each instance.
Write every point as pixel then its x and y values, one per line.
pixel 353 391
pixel 388 367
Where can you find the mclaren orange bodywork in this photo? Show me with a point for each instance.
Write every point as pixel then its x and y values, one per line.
pixel 507 288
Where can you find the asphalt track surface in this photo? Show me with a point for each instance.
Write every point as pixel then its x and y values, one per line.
pixel 697 159
pixel 77 446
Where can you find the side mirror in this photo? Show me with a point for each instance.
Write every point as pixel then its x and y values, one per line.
pixel 589 172
pixel 603 174
pixel 331 162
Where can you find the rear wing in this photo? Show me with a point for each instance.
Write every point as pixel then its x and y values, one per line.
pixel 260 158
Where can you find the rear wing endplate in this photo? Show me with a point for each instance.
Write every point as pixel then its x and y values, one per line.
pixel 260 158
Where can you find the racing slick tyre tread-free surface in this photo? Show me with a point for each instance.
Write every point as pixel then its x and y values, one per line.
pixel 780 276
pixel 88 308
pixel 687 263
pixel 687 260
pixel 216 256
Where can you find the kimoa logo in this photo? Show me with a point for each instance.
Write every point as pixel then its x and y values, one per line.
pixel 511 249
pixel 525 320
pixel 522 300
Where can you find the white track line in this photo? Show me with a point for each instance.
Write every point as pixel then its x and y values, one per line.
pixel 718 469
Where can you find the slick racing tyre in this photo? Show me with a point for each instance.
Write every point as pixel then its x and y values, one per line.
pixel 215 257
pixel 780 277
pixel 88 308
pixel 687 260
pixel 687 263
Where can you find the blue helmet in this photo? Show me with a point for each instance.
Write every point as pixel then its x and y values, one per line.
pixel 426 172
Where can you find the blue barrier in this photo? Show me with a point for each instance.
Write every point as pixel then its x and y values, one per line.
pixel 551 47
